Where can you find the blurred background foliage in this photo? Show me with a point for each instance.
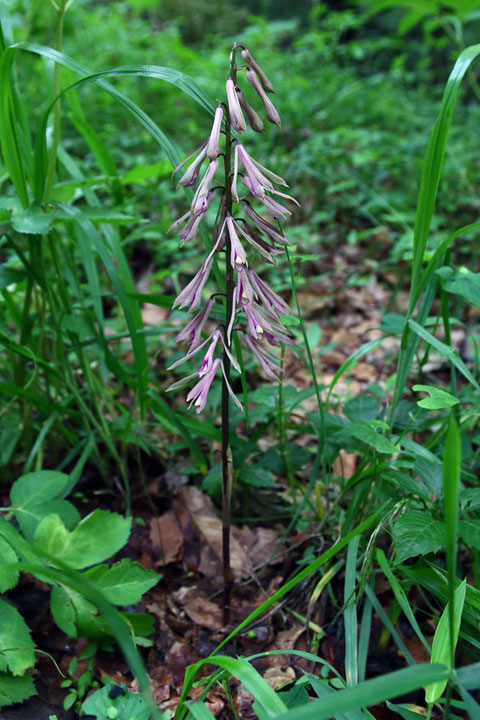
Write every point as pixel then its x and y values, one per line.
pixel 358 85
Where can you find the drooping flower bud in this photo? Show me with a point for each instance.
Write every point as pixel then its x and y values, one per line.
pixel 213 140
pixel 270 109
pixel 266 84
pixel 189 177
pixel 253 117
pixel 236 115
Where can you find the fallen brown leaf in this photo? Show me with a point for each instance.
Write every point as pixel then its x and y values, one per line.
pixel 166 536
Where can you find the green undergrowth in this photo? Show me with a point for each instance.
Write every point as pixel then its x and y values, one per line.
pixel 91 125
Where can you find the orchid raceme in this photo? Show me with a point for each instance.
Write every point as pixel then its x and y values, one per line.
pixel 242 234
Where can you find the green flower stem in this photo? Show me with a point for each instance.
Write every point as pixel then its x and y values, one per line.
pixel 61 9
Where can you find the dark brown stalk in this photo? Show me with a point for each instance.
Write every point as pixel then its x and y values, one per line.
pixel 227 466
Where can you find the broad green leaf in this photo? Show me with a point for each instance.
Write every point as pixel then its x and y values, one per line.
pixel 32 516
pixel 366 433
pixel 362 407
pixel 257 476
pixel 51 536
pixel 9 276
pixel 96 538
pixel 32 221
pixel 463 282
pixel 469 531
pixel 124 582
pixel 417 533
pixel 37 487
pixel 438 400
pixel 8 575
pixel 119 624
pixel 441 642
pixel 129 706
pixel 68 607
pixel 15 689
pixel 16 654
pixel 34 495
pixel 139 174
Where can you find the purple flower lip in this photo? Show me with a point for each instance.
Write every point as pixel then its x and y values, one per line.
pixel 272 302
pixel 207 362
pixel 192 332
pixel 198 395
pixel 192 294
pixel 270 231
pixel 270 109
pixel 265 82
pixel 268 361
pixel 238 256
pixel 199 202
pixel 236 115
pixel 274 207
pixel 214 139
pixel 257 324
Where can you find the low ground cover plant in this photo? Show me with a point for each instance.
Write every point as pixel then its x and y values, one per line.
pixel 390 564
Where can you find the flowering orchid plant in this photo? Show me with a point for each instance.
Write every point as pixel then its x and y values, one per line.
pixel 240 232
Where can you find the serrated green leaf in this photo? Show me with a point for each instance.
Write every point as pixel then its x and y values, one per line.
pixel 8 575
pixel 15 641
pixel 438 400
pixel 366 433
pixel 417 533
pixel 469 531
pixel 124 582
pixel 15 689
pixel 257 476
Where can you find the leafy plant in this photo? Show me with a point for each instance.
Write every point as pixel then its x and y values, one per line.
pixel 51 535
pixel 115 702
